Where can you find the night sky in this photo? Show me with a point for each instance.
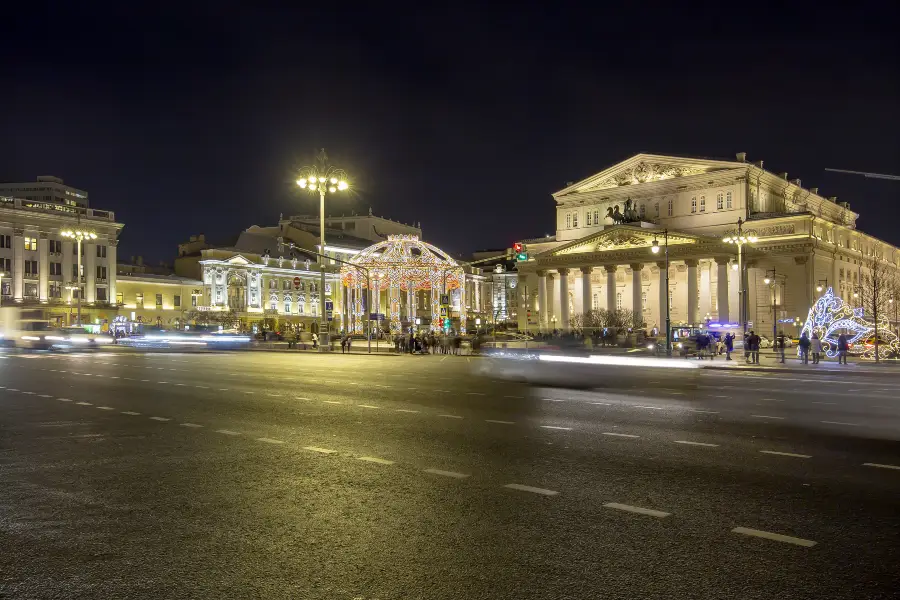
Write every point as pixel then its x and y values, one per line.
pixel 460 117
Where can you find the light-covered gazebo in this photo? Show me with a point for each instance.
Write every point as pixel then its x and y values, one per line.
pixel 397 271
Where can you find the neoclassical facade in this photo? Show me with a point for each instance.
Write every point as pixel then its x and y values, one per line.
pixel 804 243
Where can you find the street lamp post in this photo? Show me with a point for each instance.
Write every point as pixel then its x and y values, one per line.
pixel 770 279
pixel 655 249
pixel 821 285
pixel 79 235
pixel 740 238
pixel 322 178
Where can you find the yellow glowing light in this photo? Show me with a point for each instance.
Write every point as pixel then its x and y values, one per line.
pixel 734 266
pixel 321 180
pixel 312 187
pixel 767 281
pixel 312 179
pixel 334 180
pixel 301 183
pixel 332 189
pixel 342 185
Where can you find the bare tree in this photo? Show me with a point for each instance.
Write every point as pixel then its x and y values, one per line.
pixel 878 285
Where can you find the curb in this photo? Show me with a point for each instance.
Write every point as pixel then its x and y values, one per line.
pixel 807 371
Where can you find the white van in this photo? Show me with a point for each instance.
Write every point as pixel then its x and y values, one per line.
pixel 19 329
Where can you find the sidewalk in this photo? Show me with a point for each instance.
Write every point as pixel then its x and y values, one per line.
pixel 769 363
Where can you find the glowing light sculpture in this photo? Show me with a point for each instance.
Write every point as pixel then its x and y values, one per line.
pixel 406 264
pixel 830 316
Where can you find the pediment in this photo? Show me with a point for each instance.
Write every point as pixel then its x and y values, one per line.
pixel 237 259
pixel 622 237
pixel 646 168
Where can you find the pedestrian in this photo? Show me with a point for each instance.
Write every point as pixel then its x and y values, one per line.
pixel 815 346
pixel 349 341
pixel 843 345
pixel 315 340
pixel 753 342
pixel 343 344
pixel 804 348
pixel 729 345
pixel 779 345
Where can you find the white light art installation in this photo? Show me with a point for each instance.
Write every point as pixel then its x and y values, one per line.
pixel 830 316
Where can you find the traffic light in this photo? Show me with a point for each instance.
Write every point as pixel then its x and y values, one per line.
pixel 520 251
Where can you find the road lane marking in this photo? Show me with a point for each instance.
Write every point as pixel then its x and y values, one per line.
pixel 443 391
pixel 601 403
pixel 332 402
pixel 64 399
pixel 202 387
pixel 774 536
pixel 696 443
pixel 721 396
pixel 626 435
pixel 881 466
pixel 162 382
pixel 785 454
pixel 249 392
pixel 228 432
pixel 553 399
pixel 320 450
pixel 528 488
pixel 556 427
pixel 160 419
pixel 830 403
pixel 29 393
pixel 706 412
pixel 130 412
pixel 475 394
pixel 302 398
pixel 767 417
pixel 113 377
pixel 447 473
pixel 45 395
pixel 144 380
pixel 650 407
pixel 771 400
pixel 450 416
pixel 373 459
pixel 105 408
pixel 84 403
pixel 406 410
pixel 638 510
pixel 193 425
pixel 367 406
pixel 840 423
pixel 223 389
pixel 515 397
pixel 269 440
pixel 500 422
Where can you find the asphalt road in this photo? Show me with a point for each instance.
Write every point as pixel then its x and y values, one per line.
pixel 276 475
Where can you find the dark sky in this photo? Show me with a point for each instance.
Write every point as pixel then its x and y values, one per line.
pixel 464 118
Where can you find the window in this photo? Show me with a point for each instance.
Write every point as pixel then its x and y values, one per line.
pixel 55 290
pixel 5 265
pixel 139 300
pixel 193 300
pixel 702 203
pixel 596 303
pixel 101 272
pixel 55 247
pixel 287 306
pixel 619 300
pixel 4 241
pixel 656 208
pixel 55 268
pixel 720 201
pixel 31 268
pixel 273 303
pixel 671 206
pixel 694 204
pixel 101 294
pixel 643 212
pixel 596 217
pixel 5 288
pixel 644 301
pixel 568 221
pixel 273 285
pixel 574 219
pixel 120 298
pixel 30 243
pixel 286 284
pixel 728 200
pixel 588 218
pixel 672 299
pixel 101 251
pixel 31 290
pixel 159 300
pixel 177 302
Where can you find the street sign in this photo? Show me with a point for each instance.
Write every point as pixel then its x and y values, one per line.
pixel 329 310
pixel 329 305
pixel 445 299
pixel 296 282
pixel 443 311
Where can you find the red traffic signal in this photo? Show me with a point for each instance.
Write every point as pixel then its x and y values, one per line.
pixel 518 248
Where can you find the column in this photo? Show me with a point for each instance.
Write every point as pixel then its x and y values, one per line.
pixel 610 287
pixel 552 299
pixel 543 314
pixel 835 281
pixel 692 316
pixel 68 259
pixel 663 296
pixel 462 304
pixel 564 299
pixel 111 273
pixel 722 290
pixel 586 295
pixel 636 304
pixel 89 260
pixel 43 267
pixel 523 304
pixel 705 289
pixel 18 269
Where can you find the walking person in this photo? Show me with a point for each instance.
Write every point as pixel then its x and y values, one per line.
pixel 344 343
pixel 752 342
pixel 815 346
pixel 729 345
pixel 315 340
pixel 804 348
pixel 779 346
pixel 349 341
pixel 843 345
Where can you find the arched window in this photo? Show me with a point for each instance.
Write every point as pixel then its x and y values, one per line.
pixel 671 207
pixel 575 220
pixel 720 201
pixel 287 306
pixel 596 217
pixel 694 204
pixel 273 302
pixel 568 221
pixel 619 300
pixel 702 203
pixel 728 200
pixel 588 218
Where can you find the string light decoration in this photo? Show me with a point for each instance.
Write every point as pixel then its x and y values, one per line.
pixel 405 263
pixel 830 316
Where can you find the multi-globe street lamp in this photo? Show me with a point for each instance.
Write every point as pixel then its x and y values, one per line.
pixel 740 237
pixel 771 278
pixel 323 178
pixel 655 249
pixel 79 235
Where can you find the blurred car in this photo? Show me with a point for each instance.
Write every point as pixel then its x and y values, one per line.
pixel 79 337
pixel 34 335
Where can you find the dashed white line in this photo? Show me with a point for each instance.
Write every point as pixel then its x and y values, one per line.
pixel 45 395
pixel 453 474
pixel 320 450
pixel 64 399
pixel 105 408
pixel 160 419
pixel 228 432
pixel 374 459
pixel 500 422
pixel 223 389
pixel 202 387
pixel 84 403
pixel 367 406
pixel 556 427
pixel 637 509
pixel 771 400
pixel 130 412
pixel 774 536
pixel 882 466
pixel 332 402
pixel 192 425
pixel 515 397
pixel 828 403
pixel 29 393
pixel 690 443
pixel 791 454
pixel 626 435
pixel 533 490
pixel 840 423
pixel 406 410
pixel 650 407
pixel 601 403
pixel 475 394
pixel 269 440
pixel 767 417
pixel 162 382
pixel 451 416
pixel 706 412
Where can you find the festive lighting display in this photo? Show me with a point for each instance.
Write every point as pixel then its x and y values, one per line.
pixel 830 316
pixel 406 263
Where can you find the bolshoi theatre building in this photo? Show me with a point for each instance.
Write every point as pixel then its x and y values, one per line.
pixel 601 256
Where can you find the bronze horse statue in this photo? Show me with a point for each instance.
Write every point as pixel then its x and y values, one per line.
pixel 615 215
